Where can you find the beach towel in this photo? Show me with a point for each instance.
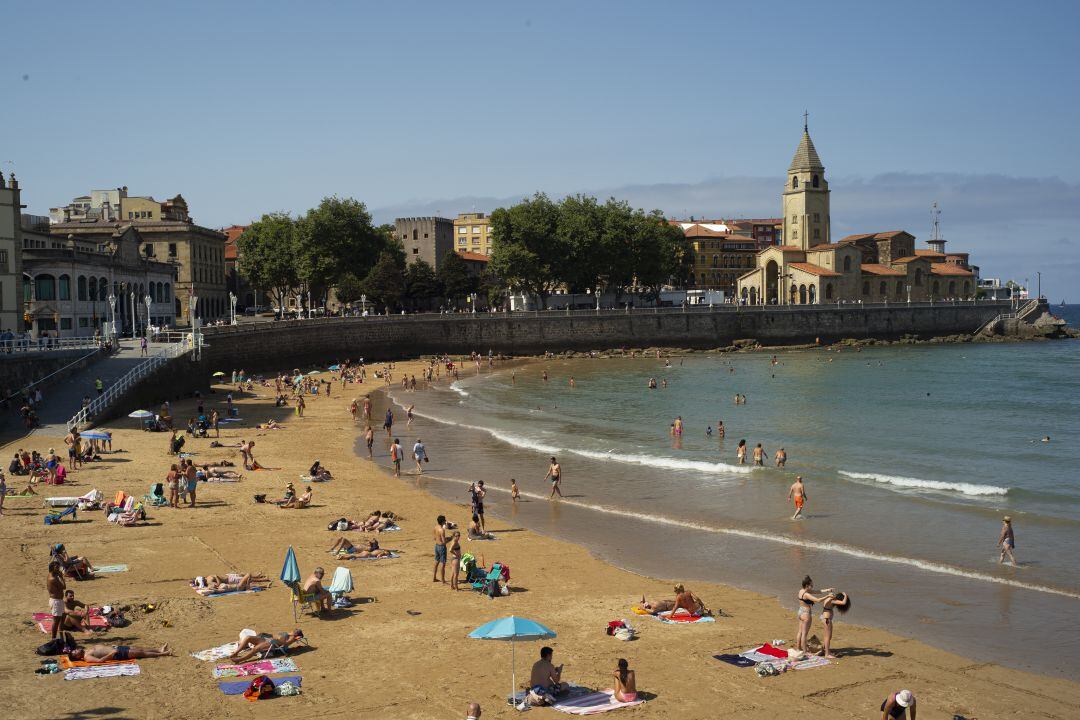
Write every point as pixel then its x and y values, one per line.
pixel 67 663
pixel 94 622
pixel 230 592
pixel 102 671
pixel 237 687
pixel 683 618
pixel 774 652
pixel 259 667
pixel 813 661
pixel 221 480
pixel 756 657
pixel 736 660
pixel 108 569
pixel 216 653
pixel 391 556
pixel 592 703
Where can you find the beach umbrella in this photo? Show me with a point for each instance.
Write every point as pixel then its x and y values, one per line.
pixel 335 367
pixel 141 414
pixel 219 374
pixel 290 571
pixel 512 628
pixel 314 372
pixel 94 435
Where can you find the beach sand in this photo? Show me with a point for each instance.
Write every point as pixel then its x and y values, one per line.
pixel 403 653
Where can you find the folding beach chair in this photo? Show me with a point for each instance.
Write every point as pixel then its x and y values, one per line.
pixel 54 518
pixel 157 495
pixel 277 648
pixel 301 599
pixel 132 516
pixel 489 585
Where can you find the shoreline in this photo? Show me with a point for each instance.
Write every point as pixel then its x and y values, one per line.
pixel 420 628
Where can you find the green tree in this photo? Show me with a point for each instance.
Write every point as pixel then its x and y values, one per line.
pixel 336 238
pixel 267 256
pixel 421 285
pixel 526 251
pixel 384 284
pixel 660 253
pixel 579 231
pixel 454 277
pixel 349 288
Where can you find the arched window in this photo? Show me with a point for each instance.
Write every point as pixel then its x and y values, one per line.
pixel 93 289
pixel 65 287
pixel 715 260
pixel 45 287
pixel 28 288
pixel 812 294
pixel 952 288
pixel 802 294
pixel 918 277
pixel 882 289
pixel 866 287
pixel 795 181
pixel 937 288
pixel 82 287
pixel 828 291
pixel 817 181
pixel 847 263
pixel 167 291
pixel 792 293
pixel 415 234
pixel 744 293
pixel 103 289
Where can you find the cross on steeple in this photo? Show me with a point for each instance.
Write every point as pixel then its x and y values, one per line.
pixel 805 121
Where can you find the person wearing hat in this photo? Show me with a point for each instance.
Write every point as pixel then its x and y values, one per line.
pixel 290 494
pixel 898 705
pixel 1007 541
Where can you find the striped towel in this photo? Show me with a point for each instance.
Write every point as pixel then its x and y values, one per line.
pixel 683 618
pixel 238 687
pixel 811 662
pixel 101 671
pixel 592 703
pixel 231 592
pixel 216 653
pixel 260 667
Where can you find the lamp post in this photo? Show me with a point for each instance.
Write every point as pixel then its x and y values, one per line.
pixel 1038 292
pixel 232 306
pixel 147 300
pixel 111 332
pixel 299 306
pixel 134 317
pixel 309 308
pixel 363 305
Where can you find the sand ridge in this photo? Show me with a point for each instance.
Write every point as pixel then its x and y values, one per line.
pixel 403 651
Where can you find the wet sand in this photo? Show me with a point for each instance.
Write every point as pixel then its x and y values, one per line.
pixel 404 653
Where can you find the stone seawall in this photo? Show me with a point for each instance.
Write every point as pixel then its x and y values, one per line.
pixel 272 345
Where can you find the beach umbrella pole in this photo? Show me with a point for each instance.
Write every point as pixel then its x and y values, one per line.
pixel 513 675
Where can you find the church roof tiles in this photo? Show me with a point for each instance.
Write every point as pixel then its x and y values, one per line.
pixel 815 269
pixel 949 269
pixel 879 269
pixel 806 157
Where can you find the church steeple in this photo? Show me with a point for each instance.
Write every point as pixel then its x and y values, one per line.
pixel 806 196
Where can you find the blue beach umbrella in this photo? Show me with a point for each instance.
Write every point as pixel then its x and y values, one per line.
pixel 290 571
pixel 335 367
pixel 512 628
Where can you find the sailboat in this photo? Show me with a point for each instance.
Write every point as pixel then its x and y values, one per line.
pixel 1062 303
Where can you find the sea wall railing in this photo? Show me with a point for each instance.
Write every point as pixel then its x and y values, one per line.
pixel 26 344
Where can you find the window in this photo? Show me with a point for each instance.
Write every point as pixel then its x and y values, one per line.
pixel 461 241
pixel 918 277
pixel 81 285
pixel 899 288
pixel 866 287
pixel 45 286
pixel 883 290
pixel 937 287
pixel 847 263
pixel 817 217
pixel 952 288
pixel 167 291
pixel 65 288
pixel 84 322
pixel 817 233
pixel 65 323
pixel 416 234
pixel 416 251
pixel 149 249
pixel 795 182
pixel 794 219
pixel 3 259
pixel 817 181
pixel 172 250
pixel 463 230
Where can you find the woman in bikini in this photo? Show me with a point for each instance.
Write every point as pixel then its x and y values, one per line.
pixel 806 600
pixel 839 602
pixel 342 546
pixel 455 559
pixel 625 683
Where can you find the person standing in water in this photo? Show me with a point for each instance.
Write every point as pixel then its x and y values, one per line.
pixel 369 438
pixel 555 473
pixel 741 452
pixel 1007 541
pixel 781 458
pixel 514 494
pixel 797 493
pixel 720 428
pixel 759 455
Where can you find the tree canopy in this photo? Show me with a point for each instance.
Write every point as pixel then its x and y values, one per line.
pixel 267 251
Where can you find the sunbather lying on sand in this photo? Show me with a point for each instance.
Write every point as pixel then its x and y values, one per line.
pixel 368 549
pixel 655 607
pixel 271 425
pixel 233 582
pixel 377 522
pixel 249 646
pixel 298 503
pixel 106 653
pixel 218 471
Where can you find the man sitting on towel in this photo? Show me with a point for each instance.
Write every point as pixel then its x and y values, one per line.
pixel 116 653
pixel 545 681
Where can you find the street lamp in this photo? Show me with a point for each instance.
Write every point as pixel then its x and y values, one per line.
pixel 148 300
pixel 232 304
pixel 134 317
pixel 299 306
pixel 363 305
pixel 112 316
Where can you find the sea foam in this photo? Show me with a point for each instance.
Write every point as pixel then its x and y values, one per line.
pixel 936 485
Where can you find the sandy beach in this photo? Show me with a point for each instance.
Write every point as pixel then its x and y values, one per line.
pixel 403 651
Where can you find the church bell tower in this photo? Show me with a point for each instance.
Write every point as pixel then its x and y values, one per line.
pixel 806 197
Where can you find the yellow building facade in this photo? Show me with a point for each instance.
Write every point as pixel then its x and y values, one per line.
pixel 472 233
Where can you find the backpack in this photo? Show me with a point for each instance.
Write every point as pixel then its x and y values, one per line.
pixel 60 645
pixel 261 687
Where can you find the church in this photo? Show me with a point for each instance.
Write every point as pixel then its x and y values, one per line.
pixel 809 268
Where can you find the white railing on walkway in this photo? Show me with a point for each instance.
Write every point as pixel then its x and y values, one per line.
pixel 25 344
pixel 123 384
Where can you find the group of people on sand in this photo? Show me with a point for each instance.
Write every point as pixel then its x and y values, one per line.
pixel 546 685
pixel 684 602
pixel 832 601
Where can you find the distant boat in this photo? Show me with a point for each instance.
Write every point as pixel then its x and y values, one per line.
pixel 1062 304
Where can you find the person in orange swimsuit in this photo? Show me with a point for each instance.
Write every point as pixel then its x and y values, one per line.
pixel 797 492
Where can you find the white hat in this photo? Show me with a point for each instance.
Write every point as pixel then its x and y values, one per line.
pixel 904 698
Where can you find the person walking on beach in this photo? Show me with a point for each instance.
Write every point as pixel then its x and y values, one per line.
pixel 797 493
pixel 555 473
pixel 395 456
pixel 55 586
pixel 1007 541
pixel 514 494
pixel 369 438
pixel 409 415
pixel 897 705
pixel 367 409
pixel 419 453
pixel 455 558
pixel 440 549
pixel 478 494
pixel 388 422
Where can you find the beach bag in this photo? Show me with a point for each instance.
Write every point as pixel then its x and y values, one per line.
pixel 467 565
pixel 260 498
pixel 60 645
pixel 261 687
pixel 504 574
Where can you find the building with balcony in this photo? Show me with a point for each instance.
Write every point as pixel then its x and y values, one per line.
pixel 472 234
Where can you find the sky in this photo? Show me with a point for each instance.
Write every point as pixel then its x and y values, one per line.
pixel 694 108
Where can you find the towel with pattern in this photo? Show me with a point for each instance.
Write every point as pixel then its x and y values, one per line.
pixel 592 703
pixel 94 622
pixel 216 653
pixel 238 687
pixel 260 667
pixel 107 569
pixel 231 592
pixel 391 556
pixel 66 663
pixel 101 671
pixel 683 618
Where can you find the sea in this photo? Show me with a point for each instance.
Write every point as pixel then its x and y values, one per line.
pixel 911 455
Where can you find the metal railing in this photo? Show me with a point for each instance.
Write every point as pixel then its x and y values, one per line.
pixel 256 327
pixel 47 344
pixel 124 383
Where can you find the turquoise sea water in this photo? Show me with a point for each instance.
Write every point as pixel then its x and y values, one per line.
pixel 911 455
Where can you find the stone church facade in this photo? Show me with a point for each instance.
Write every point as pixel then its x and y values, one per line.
pixel 874 267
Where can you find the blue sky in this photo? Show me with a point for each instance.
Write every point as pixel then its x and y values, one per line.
pixel 692 107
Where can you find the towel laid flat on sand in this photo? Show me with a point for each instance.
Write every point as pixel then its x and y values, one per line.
pixel 94 622
pixel 67 663
pixel 592 703
pixel 238 687
pixel 813 661
pixel 259 667
pixel 107 569
pixel 772 653
pixel 232 592
pixel 736 660
pixel 215 653
pixel 391 556
pixel 101 671
pixel 683 618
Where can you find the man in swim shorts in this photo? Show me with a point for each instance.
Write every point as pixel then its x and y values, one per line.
pixel 116 653
pixel 395 457
pixel 555 473
pixel 440 549
pixel 797 492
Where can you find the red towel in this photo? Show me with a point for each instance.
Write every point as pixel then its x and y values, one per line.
pixel 768 649
pixel 683 617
